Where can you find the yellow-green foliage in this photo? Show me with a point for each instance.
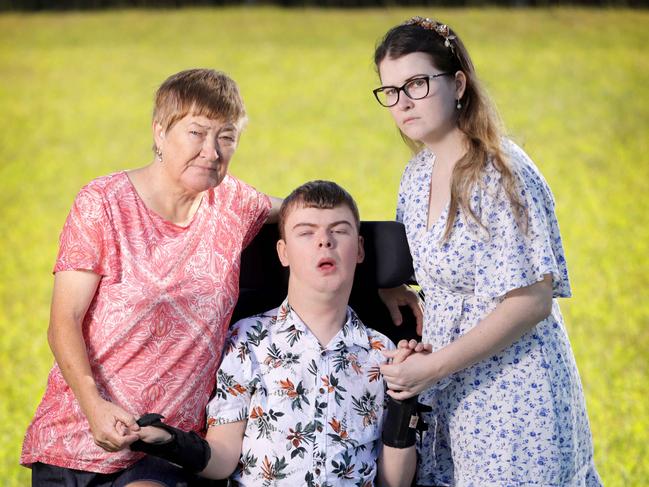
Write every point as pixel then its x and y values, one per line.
pixel 572 86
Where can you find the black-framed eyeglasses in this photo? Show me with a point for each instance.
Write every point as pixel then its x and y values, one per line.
pixel 415 89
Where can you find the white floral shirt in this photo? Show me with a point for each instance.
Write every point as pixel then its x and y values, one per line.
pixel 314 414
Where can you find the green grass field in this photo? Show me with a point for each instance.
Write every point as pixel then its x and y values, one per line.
pixel 572 86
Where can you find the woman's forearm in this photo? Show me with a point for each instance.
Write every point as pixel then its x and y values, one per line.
pixel 112 427
pixel 519 312
pixel 72 294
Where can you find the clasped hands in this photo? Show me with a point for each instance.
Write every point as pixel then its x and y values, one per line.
pixel 409 369
pixel 114 429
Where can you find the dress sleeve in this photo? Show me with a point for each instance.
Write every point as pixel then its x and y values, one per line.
pixel 84 242
pixel 513 256
pixel 236 378
pixel 254 210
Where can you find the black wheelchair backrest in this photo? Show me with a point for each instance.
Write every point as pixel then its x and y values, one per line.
pixel 263 282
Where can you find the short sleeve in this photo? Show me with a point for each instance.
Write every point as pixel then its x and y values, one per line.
pixel 254 210
pixel 84 242
pixel 515 255
pixel 236 378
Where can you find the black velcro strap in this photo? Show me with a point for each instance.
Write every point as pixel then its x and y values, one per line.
pixel 401 421
pixel 186 449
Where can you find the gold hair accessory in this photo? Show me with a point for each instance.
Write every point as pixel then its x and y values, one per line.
pixel 441 29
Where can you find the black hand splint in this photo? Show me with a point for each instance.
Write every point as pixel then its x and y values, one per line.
pixel 186 449
pixel 402 422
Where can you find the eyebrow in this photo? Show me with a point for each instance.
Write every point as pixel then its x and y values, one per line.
pixel 409 79
pixel 314 225
pixel 228 126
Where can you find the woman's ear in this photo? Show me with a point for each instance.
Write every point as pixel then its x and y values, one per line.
pixel 281 252
pixel 460 84
pixel 158 133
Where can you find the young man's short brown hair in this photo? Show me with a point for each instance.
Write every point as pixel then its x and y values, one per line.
pixel 205 92
pixel 317 194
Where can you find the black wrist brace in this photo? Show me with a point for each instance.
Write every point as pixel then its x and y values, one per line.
pixel 401 423
pixel 186 449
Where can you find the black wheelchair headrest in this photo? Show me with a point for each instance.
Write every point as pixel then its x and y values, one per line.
pixel 387 258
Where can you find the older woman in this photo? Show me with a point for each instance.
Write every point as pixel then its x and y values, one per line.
pixel 145 282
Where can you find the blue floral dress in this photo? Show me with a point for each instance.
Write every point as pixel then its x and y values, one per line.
pixel 519 417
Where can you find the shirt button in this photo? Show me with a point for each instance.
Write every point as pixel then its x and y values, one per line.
pixel 317 471
pixel 322 390
pixel 323 353
pixel 319 429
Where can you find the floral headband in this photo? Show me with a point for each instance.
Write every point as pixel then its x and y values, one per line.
pixel 441 29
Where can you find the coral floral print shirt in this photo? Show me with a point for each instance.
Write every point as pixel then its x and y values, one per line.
pixel 313 413
pixel 156 326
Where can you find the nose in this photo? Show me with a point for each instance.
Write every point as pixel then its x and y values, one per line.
pixel 325 241
pixel 404 102
pixel 211 149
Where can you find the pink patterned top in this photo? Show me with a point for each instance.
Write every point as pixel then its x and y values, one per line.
pixel 156 326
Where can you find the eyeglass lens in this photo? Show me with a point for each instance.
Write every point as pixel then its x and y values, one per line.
pixel 415 89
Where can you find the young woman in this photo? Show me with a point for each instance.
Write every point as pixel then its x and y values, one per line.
pixel 508 406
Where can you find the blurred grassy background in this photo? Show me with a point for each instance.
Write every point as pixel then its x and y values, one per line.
pixel 572 85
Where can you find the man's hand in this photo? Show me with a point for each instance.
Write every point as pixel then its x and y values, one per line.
pixel 184 448
pixel 404 349
pixel 151 434
pixel 403 296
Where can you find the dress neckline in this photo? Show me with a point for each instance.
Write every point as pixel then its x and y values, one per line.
pixel 428 193
pixel 159 217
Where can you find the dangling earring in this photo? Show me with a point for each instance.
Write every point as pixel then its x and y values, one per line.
pixel 158 153
pixel 459 105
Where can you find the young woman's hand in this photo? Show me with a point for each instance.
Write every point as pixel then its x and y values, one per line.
pixel 414 371
pixel 403 296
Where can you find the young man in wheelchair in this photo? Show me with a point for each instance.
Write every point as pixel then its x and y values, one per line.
pixel 300 399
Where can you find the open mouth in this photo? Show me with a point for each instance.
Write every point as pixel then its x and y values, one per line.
pixel 326 264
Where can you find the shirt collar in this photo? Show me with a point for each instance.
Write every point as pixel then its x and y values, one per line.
pixel 352 334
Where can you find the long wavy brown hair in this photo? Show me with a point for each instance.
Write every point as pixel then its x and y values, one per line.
pixel 477 118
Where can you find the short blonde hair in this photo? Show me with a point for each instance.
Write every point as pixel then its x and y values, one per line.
pixel 205 92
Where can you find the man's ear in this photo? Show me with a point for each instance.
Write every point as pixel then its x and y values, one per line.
pixel 361 250
pixel 281 252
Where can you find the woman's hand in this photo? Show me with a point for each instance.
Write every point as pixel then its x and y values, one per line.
pixel 112 428
pixel 403 296
pixel 415 372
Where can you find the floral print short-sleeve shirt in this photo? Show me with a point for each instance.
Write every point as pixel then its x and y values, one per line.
pixel 313 413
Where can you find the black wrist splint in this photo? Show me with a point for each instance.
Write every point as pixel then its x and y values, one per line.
pixel 401 423
pixel 186 449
